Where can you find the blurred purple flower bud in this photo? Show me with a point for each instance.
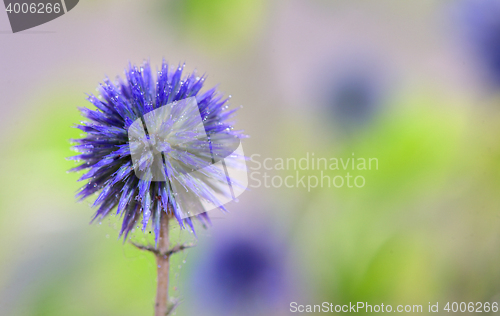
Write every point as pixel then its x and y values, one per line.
pixel 481 20
pixel 243 274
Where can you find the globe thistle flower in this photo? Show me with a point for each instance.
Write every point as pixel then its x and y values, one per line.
pixel 159 149
pixel 189 138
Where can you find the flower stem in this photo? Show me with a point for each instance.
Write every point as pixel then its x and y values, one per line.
pixel 163 264
pixel 164 305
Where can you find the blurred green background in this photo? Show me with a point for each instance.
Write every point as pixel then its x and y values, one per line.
pixel 403 82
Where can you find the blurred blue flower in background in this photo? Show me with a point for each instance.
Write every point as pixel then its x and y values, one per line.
pixel 482 23
pixel 354 98
pixel 243 273
pixel 354 95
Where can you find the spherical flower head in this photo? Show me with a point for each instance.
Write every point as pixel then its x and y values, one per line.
pixel 194 128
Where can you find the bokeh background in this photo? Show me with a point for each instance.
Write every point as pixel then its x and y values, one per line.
pixel 415 84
